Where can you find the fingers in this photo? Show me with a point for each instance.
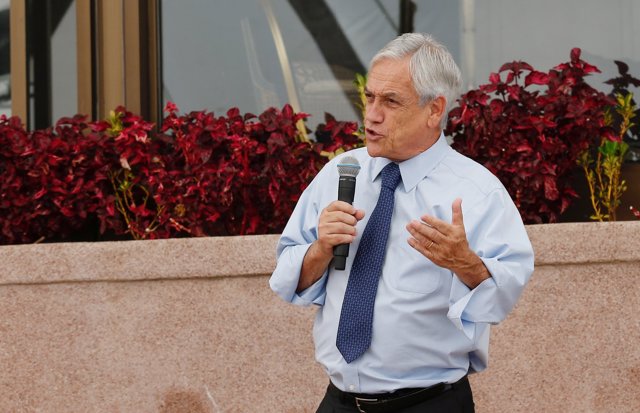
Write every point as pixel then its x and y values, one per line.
pixel 337 224
pixel 424 233
pixel 426 250
pixel 456 210
pixel 435 223
pixel 339 211
pixel 340 206
pixel 445 227
pixel 443 243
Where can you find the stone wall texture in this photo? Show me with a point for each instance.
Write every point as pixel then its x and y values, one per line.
pixel 190 325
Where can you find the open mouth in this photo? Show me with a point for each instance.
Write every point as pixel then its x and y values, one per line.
pixel 372 134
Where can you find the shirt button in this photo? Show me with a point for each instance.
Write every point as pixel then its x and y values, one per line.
pixel 352 387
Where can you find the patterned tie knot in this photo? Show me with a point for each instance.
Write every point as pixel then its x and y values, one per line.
pixel 391 176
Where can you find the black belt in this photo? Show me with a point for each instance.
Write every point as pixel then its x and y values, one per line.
pixel 391 402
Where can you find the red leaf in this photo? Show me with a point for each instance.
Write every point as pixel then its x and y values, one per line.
pixel 575 55
pixel 514 92
pixel 40 193
pixel 171 107
pixel 536 78
pixel 590 68
pixel 550 190
pixel 524 147
pixel 515 67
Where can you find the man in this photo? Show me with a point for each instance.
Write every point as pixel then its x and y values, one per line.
pixel 451 259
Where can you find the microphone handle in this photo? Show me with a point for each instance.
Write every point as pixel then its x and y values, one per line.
pixel 346 192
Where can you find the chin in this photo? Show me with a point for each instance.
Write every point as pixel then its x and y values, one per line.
pixel 375 151
pixel 381 153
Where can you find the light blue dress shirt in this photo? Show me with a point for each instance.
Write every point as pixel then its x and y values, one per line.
pixel 428 326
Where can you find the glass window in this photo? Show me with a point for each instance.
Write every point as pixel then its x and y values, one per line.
pixel 64 67
pixel 5 67
pixel 253 54
pixel 543 33
pixel 52 62
pixel 259 53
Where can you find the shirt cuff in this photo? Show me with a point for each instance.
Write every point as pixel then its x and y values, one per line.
pixel 314 294
pixel 490 301
pixel 460 298
pixel 285 278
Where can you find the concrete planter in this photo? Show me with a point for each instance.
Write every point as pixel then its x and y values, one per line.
pixel 190 325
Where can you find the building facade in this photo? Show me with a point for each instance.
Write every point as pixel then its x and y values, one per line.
pixel 60 57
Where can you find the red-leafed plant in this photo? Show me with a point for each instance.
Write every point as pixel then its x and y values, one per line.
pixel 199 175
pixel 232 175
pixel 128 153
pixel 237 174
pixel 334 137
pixel 529 128
pixel 52 180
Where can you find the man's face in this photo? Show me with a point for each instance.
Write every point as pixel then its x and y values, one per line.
pixel 396 126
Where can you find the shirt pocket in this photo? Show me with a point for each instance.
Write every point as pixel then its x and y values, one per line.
pixel 413 272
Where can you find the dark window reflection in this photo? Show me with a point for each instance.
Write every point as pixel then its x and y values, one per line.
pixel 5 63
pixel 52 68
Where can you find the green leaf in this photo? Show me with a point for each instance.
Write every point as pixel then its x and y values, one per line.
pixel 613 149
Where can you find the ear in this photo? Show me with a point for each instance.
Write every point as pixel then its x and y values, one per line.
pixel 437 107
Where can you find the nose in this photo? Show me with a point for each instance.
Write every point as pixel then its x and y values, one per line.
pixel 373 113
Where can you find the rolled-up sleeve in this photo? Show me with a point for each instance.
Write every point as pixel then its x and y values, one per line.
pixel 301 231
pixel 284 280
pixel 496 233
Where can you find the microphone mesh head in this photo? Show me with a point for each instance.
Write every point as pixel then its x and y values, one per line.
pixel 348 166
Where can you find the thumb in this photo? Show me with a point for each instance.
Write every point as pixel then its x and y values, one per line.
pixel 456 209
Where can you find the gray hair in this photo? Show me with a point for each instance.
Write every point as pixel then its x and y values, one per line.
pixel 433 71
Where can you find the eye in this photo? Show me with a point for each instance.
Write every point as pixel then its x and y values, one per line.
pixel 368 96
pixel 392 102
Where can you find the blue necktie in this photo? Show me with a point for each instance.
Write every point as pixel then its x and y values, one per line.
pixel 354 329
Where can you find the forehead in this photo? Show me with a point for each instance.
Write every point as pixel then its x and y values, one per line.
pixel 390 76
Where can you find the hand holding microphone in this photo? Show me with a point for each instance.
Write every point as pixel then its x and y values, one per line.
pixel 348 169
pixel 336 228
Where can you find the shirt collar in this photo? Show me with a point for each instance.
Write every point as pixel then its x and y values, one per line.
pixel 415 169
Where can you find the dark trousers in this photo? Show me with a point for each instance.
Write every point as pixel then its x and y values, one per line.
pixel 458 399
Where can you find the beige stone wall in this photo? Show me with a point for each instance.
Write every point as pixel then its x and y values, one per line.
pixel 191 326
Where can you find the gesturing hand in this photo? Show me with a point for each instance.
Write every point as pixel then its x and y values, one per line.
pixel 446 245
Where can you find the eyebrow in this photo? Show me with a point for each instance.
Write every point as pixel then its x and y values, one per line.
pixel 384 94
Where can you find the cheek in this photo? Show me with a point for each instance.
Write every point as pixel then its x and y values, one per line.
pixel 407 134
pixel 397 129
pixel 415 123
pixel 395 122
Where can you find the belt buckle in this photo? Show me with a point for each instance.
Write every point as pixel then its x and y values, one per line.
pixel 360 399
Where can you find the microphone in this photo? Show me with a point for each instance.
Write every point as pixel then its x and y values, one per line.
pixel 348 168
